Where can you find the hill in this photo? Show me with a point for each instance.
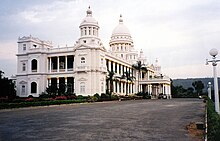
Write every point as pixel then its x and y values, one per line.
pixel 186 83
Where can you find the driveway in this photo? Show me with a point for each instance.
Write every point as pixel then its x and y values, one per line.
pixel 141 120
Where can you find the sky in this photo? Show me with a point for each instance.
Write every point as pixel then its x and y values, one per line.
pixel 179 33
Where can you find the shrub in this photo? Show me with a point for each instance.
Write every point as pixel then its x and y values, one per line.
pixel 213 120
pixel 105 97
pixel 30 96
pixel 97 96
pixel 60 98
pixel 29 99
pixel 92 99
pixel 39 103
pixel 80 97
pixel 71 96
pixel 114 97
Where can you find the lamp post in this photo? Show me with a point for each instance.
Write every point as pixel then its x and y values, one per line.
pixel 214 52
pixel 209 90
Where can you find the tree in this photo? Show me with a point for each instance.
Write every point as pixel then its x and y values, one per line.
pixel 140 67
pixel 128 77
pixel 7 87
pixel 198 86
pixel 110 78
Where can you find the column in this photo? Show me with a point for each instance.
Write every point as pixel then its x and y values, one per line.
pixel 113 67
pixel 109 65
pixel 65 63
pixel 48 82
pixel 58 64
pixel 65 84
pixel 49 64
pixel 57 82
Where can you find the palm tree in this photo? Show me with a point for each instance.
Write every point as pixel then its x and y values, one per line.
pixel 1 74
pixel 140 67
pixel 110 78
pixel 128 77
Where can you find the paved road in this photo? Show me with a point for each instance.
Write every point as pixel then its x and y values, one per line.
pixel 141 120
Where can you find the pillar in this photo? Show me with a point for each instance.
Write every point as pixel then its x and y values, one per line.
pixel 66 63
pixel 58 64
pixel 50 64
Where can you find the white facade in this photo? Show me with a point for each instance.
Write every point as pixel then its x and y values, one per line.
pixel 83 68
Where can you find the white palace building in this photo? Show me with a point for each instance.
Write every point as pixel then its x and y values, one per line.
pixel 83 68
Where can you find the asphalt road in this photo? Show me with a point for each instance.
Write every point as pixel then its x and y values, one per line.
pixel 141 120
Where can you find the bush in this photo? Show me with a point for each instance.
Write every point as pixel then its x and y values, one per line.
pixel 71 96
pixel 105 97
pixel 144 95
pixel 39 103
pixel 60 98
pixel 97 96
pixel 92 99
pixel 114 97
pixel 80 97
pixel 30 96
pixel 213 120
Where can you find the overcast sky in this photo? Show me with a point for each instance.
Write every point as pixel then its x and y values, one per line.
pixel 179 33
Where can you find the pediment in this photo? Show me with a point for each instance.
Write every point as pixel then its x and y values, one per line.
pixel 82 46
pixel 82 79
pixel 22 82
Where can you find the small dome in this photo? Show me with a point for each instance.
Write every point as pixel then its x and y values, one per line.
pixel 89 20
pixel 121 29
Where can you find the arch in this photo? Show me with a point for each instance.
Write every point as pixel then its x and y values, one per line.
pixel 34 65
pixel 33 87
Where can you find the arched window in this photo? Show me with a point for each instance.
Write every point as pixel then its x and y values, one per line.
pixel 83 60
pixel 33 87
pixel 34 65
pixel 23 89
pixel 82 87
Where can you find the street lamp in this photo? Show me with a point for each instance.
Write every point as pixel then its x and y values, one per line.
pixel 209 90
pixel 214 52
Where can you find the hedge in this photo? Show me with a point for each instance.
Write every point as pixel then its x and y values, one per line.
pixel 38 103
pixel 213 121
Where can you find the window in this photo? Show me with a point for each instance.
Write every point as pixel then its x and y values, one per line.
pixel 83 60
pixel 84 41
pixel 23 89
pixel 102 87
pixel 85 31
pixel 34 65
pixel 33 87
pixel 34 46
pixel 23 67
pixel 82 87
pixel 102 61
pixel 24 47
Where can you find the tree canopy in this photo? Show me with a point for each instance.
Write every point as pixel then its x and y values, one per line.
pixel 7 87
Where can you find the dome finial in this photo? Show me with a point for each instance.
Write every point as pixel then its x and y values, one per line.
pixel 89 12
pixel 120 20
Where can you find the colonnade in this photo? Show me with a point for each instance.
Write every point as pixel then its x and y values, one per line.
pixel 60 63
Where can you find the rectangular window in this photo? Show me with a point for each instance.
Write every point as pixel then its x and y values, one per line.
pixel 24 47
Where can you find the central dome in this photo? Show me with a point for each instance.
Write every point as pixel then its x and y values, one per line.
pixel 121 29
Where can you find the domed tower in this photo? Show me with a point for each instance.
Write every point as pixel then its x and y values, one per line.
pixel 89 29
pixel 121 42
pixel 157 67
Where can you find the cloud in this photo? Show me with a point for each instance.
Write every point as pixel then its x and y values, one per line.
pixel 178 33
